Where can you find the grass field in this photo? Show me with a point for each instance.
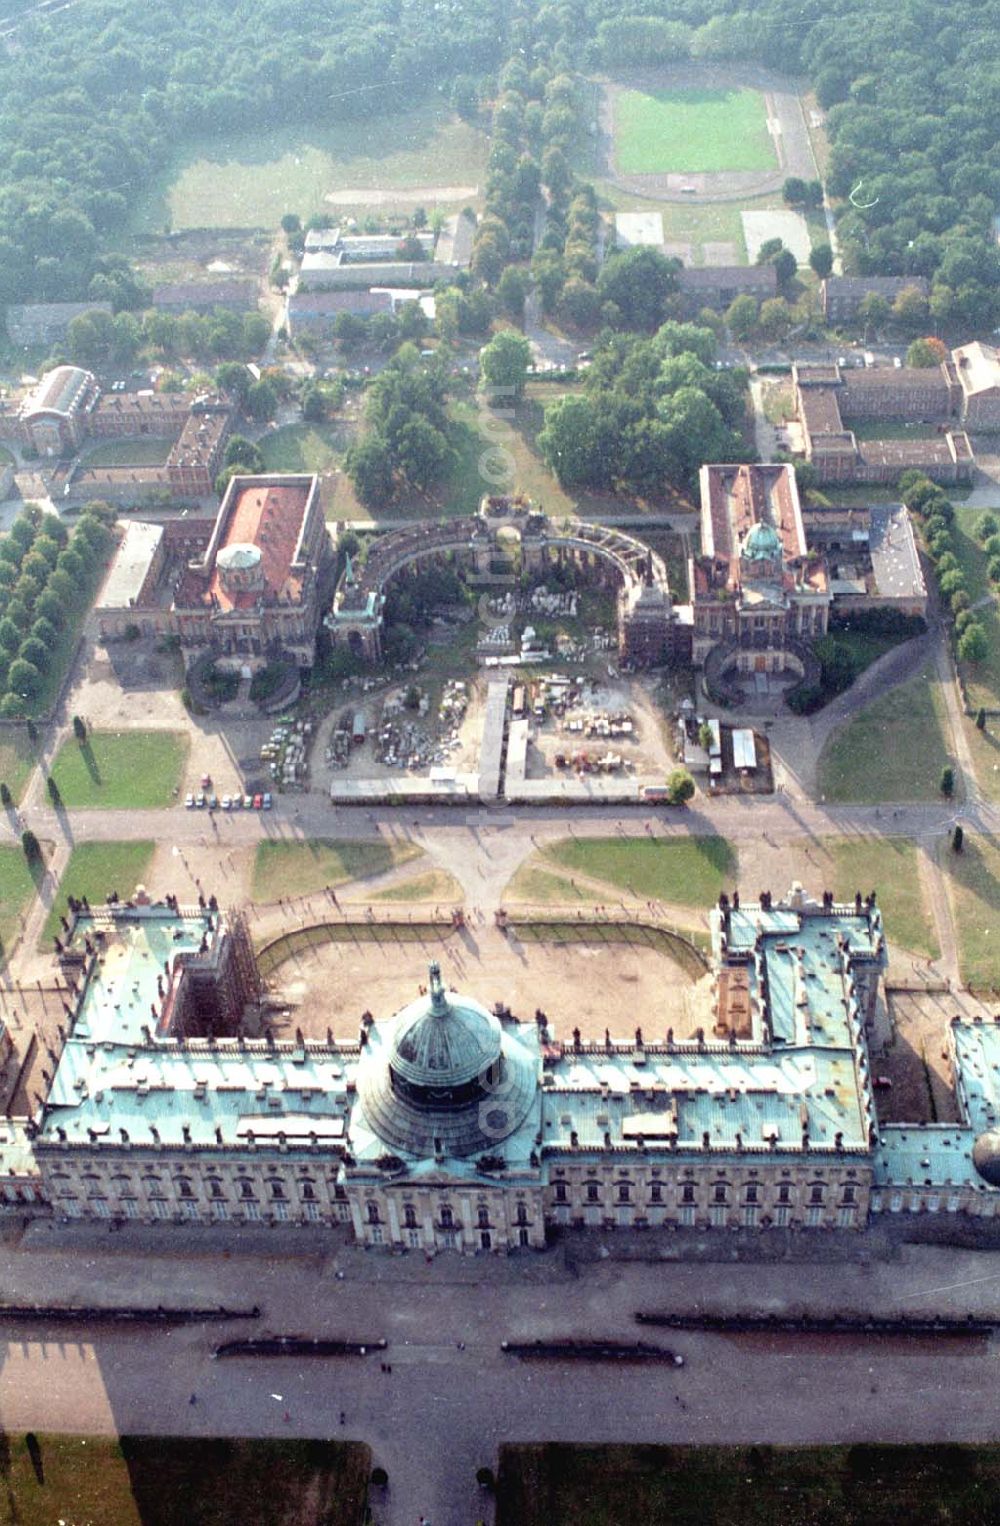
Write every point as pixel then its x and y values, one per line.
pixel 688 871
pixel 301 448
pixel 202 1481
pixel 698 131
pixel 127 770
pixel 17 759
pixel 893 750
pixel 887 865
pixel 94 869
pixel 435 885
pixel 300 868
pixel 16 890
pixel 974 876
pixel 861 1485
pixel 889 429
pixel 249 180
pixel 137 452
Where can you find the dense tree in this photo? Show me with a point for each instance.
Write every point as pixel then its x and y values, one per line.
pixel 233 378
pixel 741 316
pixel 638 282
pixel 926 352
pixel 821 260
pixel 503 364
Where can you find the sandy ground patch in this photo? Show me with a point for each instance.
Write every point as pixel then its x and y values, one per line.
pixel 376 196
pixel 590 986
pixel 678 251
pixel 781 223
pixel 721 252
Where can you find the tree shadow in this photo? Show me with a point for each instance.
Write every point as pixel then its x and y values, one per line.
pixel 87 753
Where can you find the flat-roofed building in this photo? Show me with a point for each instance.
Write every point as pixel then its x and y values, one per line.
pixel 978 370
pixel 315 312
pixel 716 286
pixel 232 296
pixel 255 593
pixel 46 322
pixel 124 599
pixel 843 295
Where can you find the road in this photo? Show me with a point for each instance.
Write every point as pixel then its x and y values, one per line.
pixel 452 1397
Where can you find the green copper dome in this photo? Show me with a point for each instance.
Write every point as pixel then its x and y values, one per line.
pixel 444 1077
pixel 762 543
pixel 444 1040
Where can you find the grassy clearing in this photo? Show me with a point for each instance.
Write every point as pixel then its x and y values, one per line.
pixel 435 885
pixel 542 887
pixel 94 869
pixel 137 452
pixel 159 1481
pixel 694 131
pixel 248 180
pixel 301 448
pixel 974 877
pixel 888 429
pixel 127 770
pixel 17 759
pixel 889 866
pixel 688 871
pixel 16 890
pixel 893 750
pixel 301 868
pixel 879 1485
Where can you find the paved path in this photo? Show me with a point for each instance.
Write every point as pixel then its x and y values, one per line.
pixel 452 1397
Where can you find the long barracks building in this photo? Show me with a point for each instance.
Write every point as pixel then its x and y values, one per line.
pixel 451 1126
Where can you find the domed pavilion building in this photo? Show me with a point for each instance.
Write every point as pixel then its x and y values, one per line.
pixel 444 1142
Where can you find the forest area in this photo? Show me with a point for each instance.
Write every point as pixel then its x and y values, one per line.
pixel 95 98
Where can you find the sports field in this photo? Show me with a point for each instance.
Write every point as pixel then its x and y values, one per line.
pixel 248 180
pixel 708 131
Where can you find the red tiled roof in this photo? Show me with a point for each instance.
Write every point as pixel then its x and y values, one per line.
pixel 270 518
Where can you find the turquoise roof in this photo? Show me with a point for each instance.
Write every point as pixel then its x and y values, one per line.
pixel 762 543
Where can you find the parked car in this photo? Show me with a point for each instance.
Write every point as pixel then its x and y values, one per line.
pixel 189 801
pixel 258 802
pixel 267 800
pixel 883 1083
pixel 237 802
pixel 248 802
pixel 213 802
pixel 200 800
pixel 226 803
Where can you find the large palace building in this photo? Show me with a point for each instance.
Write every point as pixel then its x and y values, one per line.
pixel 448 1125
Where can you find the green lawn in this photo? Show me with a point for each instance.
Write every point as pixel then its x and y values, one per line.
pixel 249 180
pixel 888 429
pixel 689 871
pixel 974 876
pixel 860 1485
pixel 893 750
pixel 94 869
pixel 16 890
pixel 887 865
pixel 300 868
pixel 435 885
pixel 137 452
pixel 162 1481
pixel 301 448
pixel 128 770
pixel 694 131
pixel 541 887
pixel 17 759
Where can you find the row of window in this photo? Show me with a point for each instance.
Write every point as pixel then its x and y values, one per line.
pixel 785 1192
pixel 446 1216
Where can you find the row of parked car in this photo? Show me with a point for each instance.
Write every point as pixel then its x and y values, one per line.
pixel 201 800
